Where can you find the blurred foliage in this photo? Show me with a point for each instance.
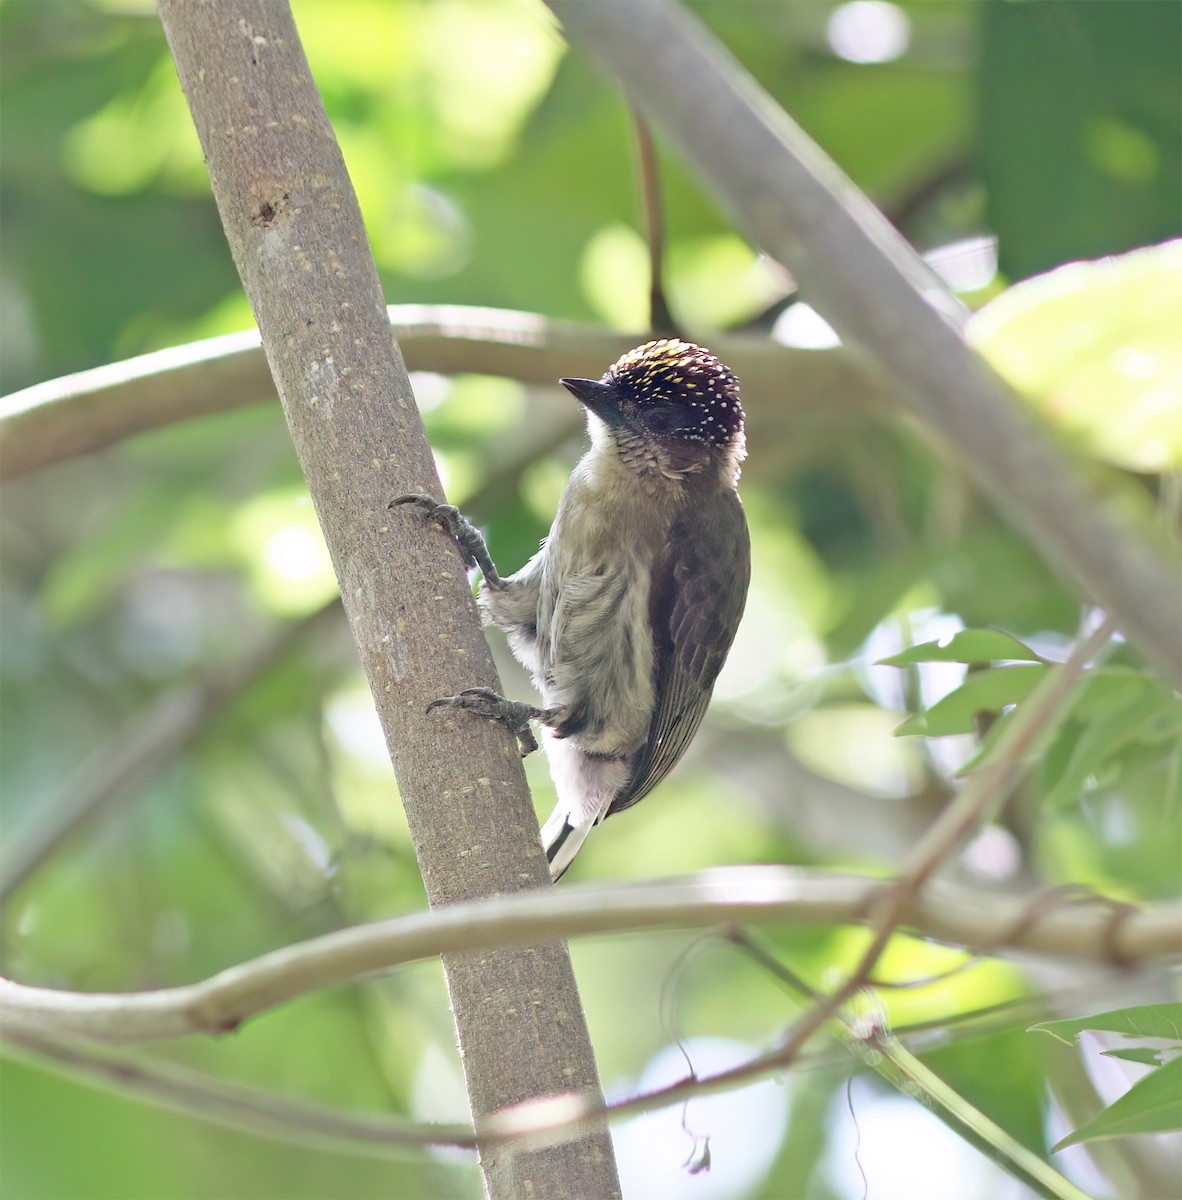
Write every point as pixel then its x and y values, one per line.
pixel 1095 346
pixel 495 168
pixel 1154 1103
pixel 1099 169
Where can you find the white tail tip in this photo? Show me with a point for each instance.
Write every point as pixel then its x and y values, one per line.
pixel 562 841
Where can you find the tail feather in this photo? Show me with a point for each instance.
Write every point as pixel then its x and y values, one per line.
pixel 586 784
pixel 562 840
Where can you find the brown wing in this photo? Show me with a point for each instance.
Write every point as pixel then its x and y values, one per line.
pixel 698 591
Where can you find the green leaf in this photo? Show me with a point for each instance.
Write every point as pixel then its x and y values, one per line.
pixel 1138 1054
pixel 1151 1105
pixel 1146 1020
pixel 970 646
pixel 1095 347
pixel 1123 709
pixel 1056 754
pixel 1109 689
pixel 986 691
pixel 988 745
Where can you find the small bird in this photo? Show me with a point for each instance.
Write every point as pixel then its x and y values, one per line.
pixel 625 615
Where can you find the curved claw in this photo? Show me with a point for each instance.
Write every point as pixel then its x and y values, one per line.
pixel 446 516
pixel 486 695
pixel 461 531
pixel 494 707
pixel 419 498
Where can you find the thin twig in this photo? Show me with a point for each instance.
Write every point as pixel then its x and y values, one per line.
pixel 887 1057
pixel 988 787
pixel 233 1105
pixel 198 1095
pixel 648 170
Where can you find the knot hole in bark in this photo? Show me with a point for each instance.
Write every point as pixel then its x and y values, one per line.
pixel 269 211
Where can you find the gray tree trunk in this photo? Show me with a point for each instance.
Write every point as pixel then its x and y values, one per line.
pixel 296 235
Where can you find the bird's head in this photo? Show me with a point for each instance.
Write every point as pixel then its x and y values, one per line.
pixel 669 407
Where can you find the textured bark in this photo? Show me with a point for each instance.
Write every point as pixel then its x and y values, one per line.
pixel 296 235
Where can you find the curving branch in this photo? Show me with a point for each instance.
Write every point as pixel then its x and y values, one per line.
pixel 236 1106
pixel 877 293
pixel 1050 924
pixel 90 410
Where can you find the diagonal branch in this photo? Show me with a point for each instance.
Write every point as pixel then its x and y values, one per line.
pixel 882 1051
pixel 876 292
pixel 233 1105
pixel 986 788
pixel 151 738
pixel 295 231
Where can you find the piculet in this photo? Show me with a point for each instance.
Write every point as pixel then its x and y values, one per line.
pixel 625 616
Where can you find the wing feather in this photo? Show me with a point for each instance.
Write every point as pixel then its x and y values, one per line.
pixel 699 588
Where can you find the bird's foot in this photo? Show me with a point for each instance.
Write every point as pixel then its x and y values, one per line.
pixel 512 713
pixel 466 536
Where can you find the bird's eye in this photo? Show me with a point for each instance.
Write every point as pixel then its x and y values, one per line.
pixel 664 418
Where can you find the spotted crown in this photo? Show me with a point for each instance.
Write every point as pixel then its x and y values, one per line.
pixel 671 371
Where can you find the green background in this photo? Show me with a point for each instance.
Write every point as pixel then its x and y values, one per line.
pixel 496 168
